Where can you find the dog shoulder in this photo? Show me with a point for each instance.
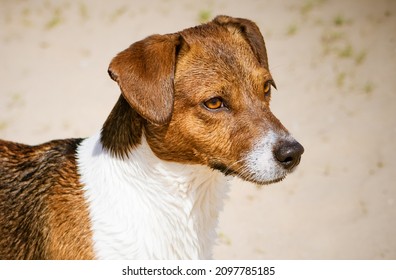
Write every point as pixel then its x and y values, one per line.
pixel 34 181
pixel 22 163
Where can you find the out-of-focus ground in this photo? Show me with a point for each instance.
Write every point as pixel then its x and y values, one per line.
pixel 334 63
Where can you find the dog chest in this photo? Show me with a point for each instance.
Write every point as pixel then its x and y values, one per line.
pixel 145 208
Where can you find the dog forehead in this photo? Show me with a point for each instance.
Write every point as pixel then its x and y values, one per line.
pixel 216 48
pixel 213 37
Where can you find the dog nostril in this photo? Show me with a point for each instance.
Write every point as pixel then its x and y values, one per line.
pixel 289 154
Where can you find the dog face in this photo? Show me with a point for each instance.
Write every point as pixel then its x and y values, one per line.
pixel 203 96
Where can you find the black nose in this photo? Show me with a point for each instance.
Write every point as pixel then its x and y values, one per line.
pixel 289 153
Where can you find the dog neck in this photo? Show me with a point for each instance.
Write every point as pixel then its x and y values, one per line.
pixel 142 207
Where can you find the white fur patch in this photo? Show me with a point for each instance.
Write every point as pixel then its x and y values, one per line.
pixel 260 162
pixel 147 208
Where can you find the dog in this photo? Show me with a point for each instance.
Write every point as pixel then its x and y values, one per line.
pixel 193 112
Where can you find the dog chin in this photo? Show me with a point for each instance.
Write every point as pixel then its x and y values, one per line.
pixel 266 183
pixel 260 183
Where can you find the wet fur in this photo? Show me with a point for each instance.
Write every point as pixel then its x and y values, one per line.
pixel 42 211
pixel 48 192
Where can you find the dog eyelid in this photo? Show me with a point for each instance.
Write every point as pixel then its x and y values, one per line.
pixel 214 103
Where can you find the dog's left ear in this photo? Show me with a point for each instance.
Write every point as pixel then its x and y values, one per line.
pixel 145 73
pixel 251 33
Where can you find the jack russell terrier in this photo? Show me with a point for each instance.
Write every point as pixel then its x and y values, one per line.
pixel 194 107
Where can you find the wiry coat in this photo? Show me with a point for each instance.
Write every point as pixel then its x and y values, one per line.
pixel 42 210
pixel 194 106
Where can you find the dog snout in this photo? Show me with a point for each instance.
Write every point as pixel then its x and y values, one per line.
pixel 288 153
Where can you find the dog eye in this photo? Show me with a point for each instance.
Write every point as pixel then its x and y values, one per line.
pixel 267 88
pixel 214 103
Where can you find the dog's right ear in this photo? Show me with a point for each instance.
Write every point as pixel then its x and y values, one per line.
pixel 145 73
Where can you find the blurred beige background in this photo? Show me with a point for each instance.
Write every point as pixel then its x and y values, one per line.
pixel 334 63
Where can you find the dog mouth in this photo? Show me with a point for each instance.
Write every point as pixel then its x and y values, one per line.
pixel 223 168
pixel 247 176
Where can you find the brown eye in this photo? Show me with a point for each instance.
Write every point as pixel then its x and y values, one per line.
pixel 267 88
pixel 214 103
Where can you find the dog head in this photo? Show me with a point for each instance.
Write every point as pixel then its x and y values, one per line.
pixel 202 96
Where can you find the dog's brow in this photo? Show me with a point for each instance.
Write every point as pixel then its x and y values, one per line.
pixel 262 73
pixel 267 76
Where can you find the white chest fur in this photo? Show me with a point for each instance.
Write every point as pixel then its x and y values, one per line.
pixel 146 208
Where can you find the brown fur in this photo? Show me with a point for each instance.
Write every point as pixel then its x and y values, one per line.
pixel 226 58
pixel 43 214
pixel 165 81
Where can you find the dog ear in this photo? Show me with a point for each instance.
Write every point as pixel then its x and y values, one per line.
pixel 145 73
pixel 251 33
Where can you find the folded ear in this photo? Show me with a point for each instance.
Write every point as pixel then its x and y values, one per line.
pixel 251 33
pixel 145 73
